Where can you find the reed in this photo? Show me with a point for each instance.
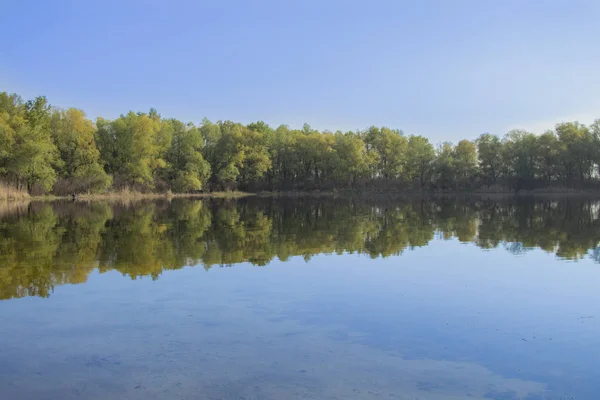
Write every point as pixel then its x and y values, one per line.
pixel 10 193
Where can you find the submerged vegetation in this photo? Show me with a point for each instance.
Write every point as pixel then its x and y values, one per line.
pixel 44 244
pixel 44 149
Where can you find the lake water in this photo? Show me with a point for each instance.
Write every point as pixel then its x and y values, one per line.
pixel 300 299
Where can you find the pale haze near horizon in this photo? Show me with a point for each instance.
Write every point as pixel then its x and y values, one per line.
pixel 444 69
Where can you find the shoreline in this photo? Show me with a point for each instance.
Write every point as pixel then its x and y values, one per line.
pixel 126 196
pixel 347 193
pixel 366 194
pixel 143 196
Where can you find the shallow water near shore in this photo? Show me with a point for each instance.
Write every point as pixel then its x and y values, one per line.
pixel 260 298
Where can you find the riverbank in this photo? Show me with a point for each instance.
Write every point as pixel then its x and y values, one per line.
pixel 11 195
pixel 130 195
pixel 126 195
pixel 378 194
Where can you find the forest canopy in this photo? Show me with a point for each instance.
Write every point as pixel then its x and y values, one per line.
pixel 47 149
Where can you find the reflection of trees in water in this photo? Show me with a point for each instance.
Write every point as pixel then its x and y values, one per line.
pixel 43 246
pixel 47 244
pixel 596 254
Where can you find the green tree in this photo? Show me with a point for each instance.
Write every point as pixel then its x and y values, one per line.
pixel 12 119
pixel 577 150
pixel 419 160
pixel 31 154
pixel 549 153
pixel 521 155
pixel 240 155
pixel 134 146
pixel 284 157
pixel 489 151
pixel 391 148
pixel 352 160
pixel 42 148
pixel 444 166
pixel 187 168
pixel 73 135
pixel 595 153
pixel 465 163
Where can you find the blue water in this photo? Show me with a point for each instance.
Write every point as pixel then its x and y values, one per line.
pixel 444 321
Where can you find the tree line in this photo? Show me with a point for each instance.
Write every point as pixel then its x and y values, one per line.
pixel 46 149
pixel 48 244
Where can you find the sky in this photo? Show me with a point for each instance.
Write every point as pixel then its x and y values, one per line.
pixel 444 69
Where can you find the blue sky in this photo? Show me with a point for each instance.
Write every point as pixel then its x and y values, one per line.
pixel 446 69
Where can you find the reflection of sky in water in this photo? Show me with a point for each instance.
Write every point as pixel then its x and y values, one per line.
pixel 442 322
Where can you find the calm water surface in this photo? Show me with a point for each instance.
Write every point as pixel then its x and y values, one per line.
pixel 300 299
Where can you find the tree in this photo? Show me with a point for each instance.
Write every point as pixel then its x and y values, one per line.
pixel 43 148
pixel 489 151
pixel 549 153
pixel 391 148
pixel 28 154
pixel 420 156
pixel 465 163
pixel 444 166
pixel 521 155
pixel 73 135
pixel 595 133
pixel 12 119
pixel 257 158
pixel 239 154
pixel 32 159
pixel 284 157
pixel 577 150
pixel 352 161
pixel 314 152
pixel 187 169
pixel 133 146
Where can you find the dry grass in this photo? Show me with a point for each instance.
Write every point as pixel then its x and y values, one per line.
pixel 126 194
pixel 10 193
pixel 226 195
